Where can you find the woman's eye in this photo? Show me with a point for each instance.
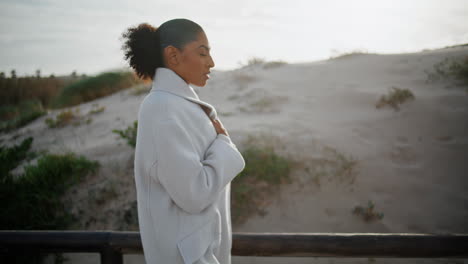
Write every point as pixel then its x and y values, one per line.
pixel 203 55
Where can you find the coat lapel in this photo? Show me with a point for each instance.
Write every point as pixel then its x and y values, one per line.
pixel 167 80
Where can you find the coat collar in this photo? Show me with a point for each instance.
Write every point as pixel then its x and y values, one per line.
pixel 167 80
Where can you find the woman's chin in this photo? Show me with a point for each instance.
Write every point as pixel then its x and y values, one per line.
pixel 200 84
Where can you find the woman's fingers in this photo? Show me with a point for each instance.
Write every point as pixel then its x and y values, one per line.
pixel 219 127
pixel 216 123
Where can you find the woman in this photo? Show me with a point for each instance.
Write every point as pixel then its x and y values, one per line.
pixel 184 157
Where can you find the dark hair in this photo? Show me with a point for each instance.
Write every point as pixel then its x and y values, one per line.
pixel 144 44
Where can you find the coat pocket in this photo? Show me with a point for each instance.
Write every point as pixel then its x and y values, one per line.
pixel 193 246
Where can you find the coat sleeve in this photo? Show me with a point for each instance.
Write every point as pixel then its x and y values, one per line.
pixel 193 182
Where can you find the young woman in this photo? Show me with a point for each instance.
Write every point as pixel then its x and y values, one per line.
pixel 184 157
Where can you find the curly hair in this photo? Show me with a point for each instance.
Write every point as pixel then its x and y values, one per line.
pixel 144 44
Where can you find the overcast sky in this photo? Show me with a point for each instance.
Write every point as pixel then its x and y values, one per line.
pixel 59 36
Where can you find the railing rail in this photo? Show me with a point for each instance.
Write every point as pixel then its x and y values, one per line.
pixel 111 245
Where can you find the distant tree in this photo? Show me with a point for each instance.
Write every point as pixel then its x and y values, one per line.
pixel 38 73
pixel 52 76
pixel 74 74
pixel 13 74
pixel 2 75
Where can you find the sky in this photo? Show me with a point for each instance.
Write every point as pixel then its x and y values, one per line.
pixel 61 36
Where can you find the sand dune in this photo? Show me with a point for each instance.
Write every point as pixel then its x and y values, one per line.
pixel 411 163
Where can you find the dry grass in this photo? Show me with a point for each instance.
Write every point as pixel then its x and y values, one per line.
pixel 14 90
pixel 274 64
pixel 267 104
pixel 73 117
pixel 331 165
pixel 256 61
pixel 64 118
pixel 96 109
pixel 259 101
pixel 243 79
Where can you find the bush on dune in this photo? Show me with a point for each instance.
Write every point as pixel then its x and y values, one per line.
pixel 368 213
pixel 395 98
pixel 24 98
pixel 450 68
pixel 11 157
pixel 129 134
pixel 94 87
pixel 65 118
pixel 15 116
pixel 32 201
pixel 69 116
pixel 264 172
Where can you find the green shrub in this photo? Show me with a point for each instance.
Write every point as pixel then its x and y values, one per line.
pixel 367 213
pixel 11 157
pixel 129 134
pixel 32 201
pixel 264 171
pixel 94 87
pixel 450 68
pixel 15 116
pixel 394 98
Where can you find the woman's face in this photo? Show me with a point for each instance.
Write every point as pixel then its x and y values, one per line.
pixel 194 61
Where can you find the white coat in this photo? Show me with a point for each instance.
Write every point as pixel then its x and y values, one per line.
pixel 183 170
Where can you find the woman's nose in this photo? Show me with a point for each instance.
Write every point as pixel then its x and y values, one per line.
pixel 211 62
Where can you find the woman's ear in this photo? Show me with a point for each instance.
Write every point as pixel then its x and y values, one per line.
pixel 171 55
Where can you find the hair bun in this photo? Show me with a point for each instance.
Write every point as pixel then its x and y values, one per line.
pixel 142 49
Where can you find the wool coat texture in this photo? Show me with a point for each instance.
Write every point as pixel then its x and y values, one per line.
pixel 183 170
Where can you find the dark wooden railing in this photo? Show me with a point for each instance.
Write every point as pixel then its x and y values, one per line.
pixel 112 245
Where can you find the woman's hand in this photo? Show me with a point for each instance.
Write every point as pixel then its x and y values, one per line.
pixel 219 127
pixel 216 123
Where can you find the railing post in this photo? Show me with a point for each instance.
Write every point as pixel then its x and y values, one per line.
pixel 110 255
